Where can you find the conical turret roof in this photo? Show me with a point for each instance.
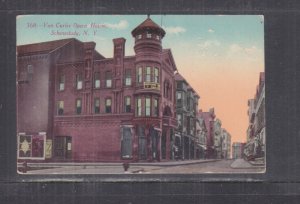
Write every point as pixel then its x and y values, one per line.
pixel 148 25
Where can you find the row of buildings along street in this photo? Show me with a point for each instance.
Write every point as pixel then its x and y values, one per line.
pixel 83 107
pixel 255 146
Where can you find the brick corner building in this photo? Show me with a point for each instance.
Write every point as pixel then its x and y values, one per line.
pixel 91 108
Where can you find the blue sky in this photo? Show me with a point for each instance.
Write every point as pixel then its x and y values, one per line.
pixel 206 31
pixel 220 55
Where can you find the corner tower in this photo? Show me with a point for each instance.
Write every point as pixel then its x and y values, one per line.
pixel 148 36
pixel 148 97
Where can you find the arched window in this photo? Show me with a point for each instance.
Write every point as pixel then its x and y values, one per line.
pixel 167 111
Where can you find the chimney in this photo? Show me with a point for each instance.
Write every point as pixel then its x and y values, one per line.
pixel 119 50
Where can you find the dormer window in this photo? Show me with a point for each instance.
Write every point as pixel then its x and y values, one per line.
pixel 149 35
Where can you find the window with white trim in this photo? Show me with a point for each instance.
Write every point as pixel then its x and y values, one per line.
pixel 148 74
pixel 128 77
pixel 61 84
pixel 139 107
pixel 97 80
pixel 147 106
pixel 79 81
pixel 108 79
pixel 108 105
pixel 127 104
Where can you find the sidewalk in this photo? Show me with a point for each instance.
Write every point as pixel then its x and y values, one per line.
pixel 116 167
pixel 243 164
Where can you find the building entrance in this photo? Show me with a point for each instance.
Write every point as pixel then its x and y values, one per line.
pixel 63 147
pixel 142 142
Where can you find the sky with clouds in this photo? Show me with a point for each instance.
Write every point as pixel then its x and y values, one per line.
pixel 220 55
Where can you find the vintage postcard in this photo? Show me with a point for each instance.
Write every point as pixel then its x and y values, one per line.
pixel 140 94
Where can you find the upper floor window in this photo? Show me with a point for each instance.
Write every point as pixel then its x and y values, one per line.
pixel 108 105
pixel 156 109
pixel 78 106
pixel 108 79
pixel 127 77
pixel 79 81
pixel 97 105
pixel 97 80
pixel 157 37
pixel 60 108
pixel 179 98
pixel 156 75
pixel 29 72
pixel 149 35
pixel 179 119
pixel 61 83
pixel 139 36
pixel 127 104
pixel 148 74
pixel 139 74
pixel 148 106
pixel 138 106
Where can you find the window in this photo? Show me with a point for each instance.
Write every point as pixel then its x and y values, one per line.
pixel 108 79
pixel 126 143
pixel 139 36
pixel 139 107
pixel 156 75
pixel 78 106
pixel 108 105
pixel 61 83
pixel 148 74
pixel 179 120
pixel 60 108
pixel 156 109
pixel 29 72
pixel 179 98
pixel 139 75
pixel 79 81
pixel 157 37
pixel 127 77
pixel 127 104
pixel 97 105
pixel 149 35
pixel 147 107
pixel 97 80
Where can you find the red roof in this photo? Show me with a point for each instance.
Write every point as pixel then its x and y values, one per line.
pixel 43 46
pixel 49 46
pixel 179 77
pixel 148 24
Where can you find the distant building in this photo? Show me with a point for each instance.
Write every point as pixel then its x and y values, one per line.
pixel 256 133
pixel 237 150
pixel 251 116
pixel 218 138
pixel 186 113
pixel 209 120
pixel 226 148
pixel 201 135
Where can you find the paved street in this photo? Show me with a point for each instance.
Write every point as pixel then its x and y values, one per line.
pixel 182 167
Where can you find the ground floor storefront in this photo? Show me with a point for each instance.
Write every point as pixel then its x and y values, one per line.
pixel 100 141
